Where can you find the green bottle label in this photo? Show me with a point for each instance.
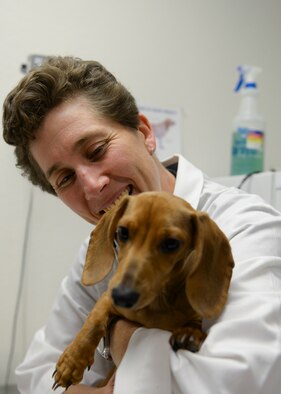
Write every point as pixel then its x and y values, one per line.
pixel 247 151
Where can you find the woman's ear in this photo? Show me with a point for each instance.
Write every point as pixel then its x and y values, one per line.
pixel 146 129
pixel 100 253
pixel 211 265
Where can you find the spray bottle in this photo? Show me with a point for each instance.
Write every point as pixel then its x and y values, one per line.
pixel 248 126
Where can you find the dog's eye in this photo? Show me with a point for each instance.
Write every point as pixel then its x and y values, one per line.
pixel 170 245
pixel 122 234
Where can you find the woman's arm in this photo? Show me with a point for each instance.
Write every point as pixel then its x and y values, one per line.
pixel 72 305
pixel 120 336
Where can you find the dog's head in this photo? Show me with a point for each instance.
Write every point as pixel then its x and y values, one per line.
pixel 161 237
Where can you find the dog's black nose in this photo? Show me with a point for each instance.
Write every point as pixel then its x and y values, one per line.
pixel 124 296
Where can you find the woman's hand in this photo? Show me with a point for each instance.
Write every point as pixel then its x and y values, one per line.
pixel 83 389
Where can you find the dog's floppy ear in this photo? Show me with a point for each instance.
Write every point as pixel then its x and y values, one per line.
pixel 100 253
pixel 211 265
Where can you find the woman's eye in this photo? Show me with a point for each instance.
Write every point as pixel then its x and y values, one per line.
pixel 64 181
pixel 96 153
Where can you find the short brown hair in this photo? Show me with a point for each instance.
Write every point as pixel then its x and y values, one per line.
pixel 54 82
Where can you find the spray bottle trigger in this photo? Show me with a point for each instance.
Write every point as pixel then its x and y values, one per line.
pixel 240 82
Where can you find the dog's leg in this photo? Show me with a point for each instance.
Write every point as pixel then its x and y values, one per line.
pixel 189 338
pixel 80 353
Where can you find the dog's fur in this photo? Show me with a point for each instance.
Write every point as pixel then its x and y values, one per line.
pixel 174 269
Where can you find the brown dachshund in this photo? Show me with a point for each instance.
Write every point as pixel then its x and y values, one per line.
pixel 174 269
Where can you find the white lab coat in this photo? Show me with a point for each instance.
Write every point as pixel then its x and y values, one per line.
pixel 242 351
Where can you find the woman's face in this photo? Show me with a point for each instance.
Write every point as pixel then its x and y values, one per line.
pixel 90 161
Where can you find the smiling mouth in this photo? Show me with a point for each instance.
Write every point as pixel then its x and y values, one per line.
pixel 127 192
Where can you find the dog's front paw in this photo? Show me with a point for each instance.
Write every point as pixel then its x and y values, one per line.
pixel 71 366
pixel 188 338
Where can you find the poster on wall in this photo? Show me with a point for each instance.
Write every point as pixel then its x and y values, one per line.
pixel 167 126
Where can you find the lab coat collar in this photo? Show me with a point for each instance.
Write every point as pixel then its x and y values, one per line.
pixel 189 180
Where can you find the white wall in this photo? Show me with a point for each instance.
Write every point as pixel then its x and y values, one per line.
pixel 169 53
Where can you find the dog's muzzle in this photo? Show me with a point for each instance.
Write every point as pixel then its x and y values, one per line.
pixel 124 296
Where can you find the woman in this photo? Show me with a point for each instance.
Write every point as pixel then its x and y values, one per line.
pixel 78 135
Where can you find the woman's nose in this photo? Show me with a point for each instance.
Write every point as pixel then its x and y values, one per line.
pixel 91 181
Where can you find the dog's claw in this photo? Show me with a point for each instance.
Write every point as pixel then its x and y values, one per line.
pixel 69 369
pixel 187 338
pixel 192 347
pixel 55 386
